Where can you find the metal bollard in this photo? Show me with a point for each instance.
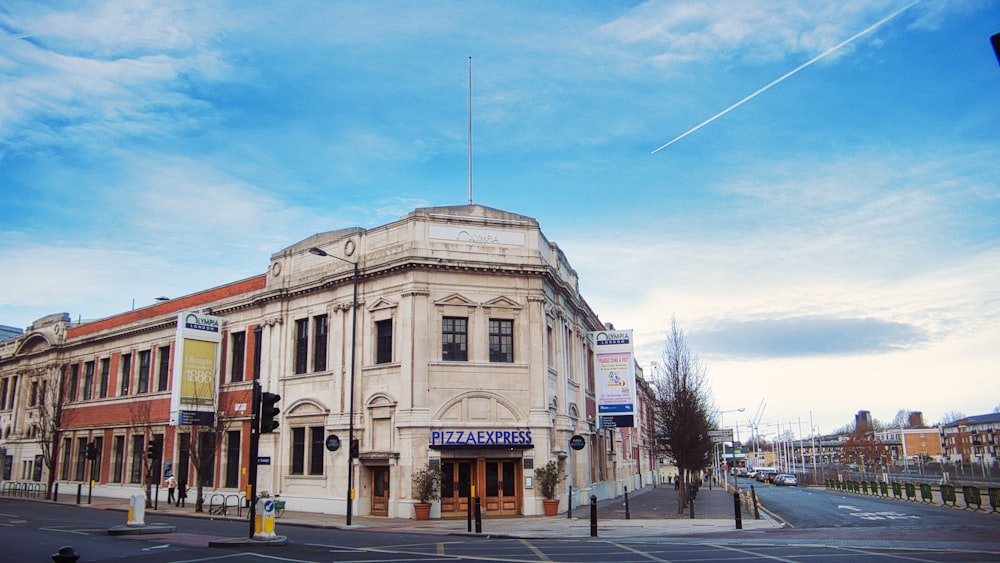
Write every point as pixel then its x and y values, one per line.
pixel 469 515
pixel 753 499
pixel 79 492
pixel 736 507
pixel 66 554
pixel 479 517
pixel 628 515
pixel 593 516
pixel 55 492
pixel 569 505
pixel 691 501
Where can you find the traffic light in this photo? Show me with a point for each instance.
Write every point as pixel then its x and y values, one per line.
pixel 268 410
pixel 355 448
pixel 154 448
pixel 92 451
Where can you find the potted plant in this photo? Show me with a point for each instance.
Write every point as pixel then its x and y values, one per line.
pixel 547 479
pixel 425 491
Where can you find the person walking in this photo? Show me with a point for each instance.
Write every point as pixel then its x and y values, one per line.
pixel 182 494
pixel 171 485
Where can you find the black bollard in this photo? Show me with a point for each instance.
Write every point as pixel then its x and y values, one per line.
pixel 55 493
pixel 628 515
pixel 66 554
pixel 479 517
pixel 736 507
pixel 691 491
pixel 753 498
pixel 569 509
pixel 593 516
pixel 469 515
pixel 90 491
pixel 79 492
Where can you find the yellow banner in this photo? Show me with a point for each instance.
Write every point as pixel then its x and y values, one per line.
pixel 198 373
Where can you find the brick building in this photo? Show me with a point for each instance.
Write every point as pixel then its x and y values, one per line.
pixel 469 352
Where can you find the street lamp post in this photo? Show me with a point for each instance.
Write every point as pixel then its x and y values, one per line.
pixel 725 478
pixel 354 338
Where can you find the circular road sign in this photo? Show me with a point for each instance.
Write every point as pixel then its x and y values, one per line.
pixel 333 442
pixel 577 442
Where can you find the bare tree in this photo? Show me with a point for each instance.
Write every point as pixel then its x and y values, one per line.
pixel 140 421
pixel 951 416
pixel 206 448
pixel 683 408
pixel 51 415
pixel 902 419
pixel 865 451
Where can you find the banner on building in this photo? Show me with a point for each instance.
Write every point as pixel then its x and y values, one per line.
pixel 197 353
pixel 614 359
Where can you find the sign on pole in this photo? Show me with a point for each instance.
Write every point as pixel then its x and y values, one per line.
pixel 615 369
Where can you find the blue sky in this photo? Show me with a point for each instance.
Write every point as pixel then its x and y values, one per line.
pixel 828 246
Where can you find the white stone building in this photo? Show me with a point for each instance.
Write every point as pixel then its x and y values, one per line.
pixel 470 354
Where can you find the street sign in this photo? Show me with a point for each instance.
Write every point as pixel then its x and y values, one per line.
pixel 263 460
pixel 577 442
pixel 196 418
pixel 727 433
pixel 721 439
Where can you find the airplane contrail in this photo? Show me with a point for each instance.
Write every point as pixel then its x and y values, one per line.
pixel 869 29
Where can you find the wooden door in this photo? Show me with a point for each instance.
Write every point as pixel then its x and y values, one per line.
pixel 380 491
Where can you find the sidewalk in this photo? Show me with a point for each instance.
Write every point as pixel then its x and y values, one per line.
pixel 652 512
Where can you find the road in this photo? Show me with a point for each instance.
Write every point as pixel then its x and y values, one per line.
pixel 811 512
pixel 33 531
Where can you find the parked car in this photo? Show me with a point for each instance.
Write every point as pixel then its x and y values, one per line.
pixel 786 479
pixel 766 475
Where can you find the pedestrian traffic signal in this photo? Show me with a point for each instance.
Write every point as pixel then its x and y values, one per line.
pixel 355 448
pixel 92 451
pixel 268 410
pixel 154 449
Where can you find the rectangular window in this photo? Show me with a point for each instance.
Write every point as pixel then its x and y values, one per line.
pixel 233 459
pixel 501 340
pixel 301 345
pixel 144 371
pixel 313 450
pixel 102 388
pixel 163 376
pixel 88 381
pixel 67 450
pixel 81 458
pixel 13 392
pixel 207 455
pixel 126 374
pixel 383 341
pixel 3 394
pixel 138 452
pixel 320 334
pixel 298 451
pixel 74 382
pixel 118 466
pixel 183 470
pixel 33 399
pixel 95 466
pixel 316 445
pixel 238 341
pixel 454 339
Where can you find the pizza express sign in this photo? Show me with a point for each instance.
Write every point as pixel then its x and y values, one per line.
pixel 480 438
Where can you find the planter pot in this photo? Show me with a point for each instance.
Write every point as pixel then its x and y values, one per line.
pixel 551 507
pixel 422 510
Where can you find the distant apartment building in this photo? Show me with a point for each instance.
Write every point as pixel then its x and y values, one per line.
pixel 468 345
pixel 973 439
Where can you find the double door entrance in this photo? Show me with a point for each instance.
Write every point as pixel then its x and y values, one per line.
pixel 496 482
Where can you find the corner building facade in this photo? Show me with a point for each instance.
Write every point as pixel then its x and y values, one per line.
pixel 471 354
